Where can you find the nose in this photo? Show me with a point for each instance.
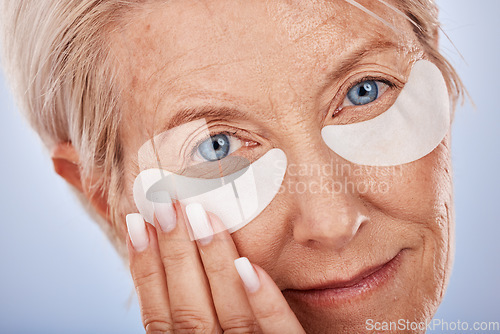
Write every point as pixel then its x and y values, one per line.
pixel 327 211
pixel 328 223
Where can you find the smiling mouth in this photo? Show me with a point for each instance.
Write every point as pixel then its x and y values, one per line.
pixel 336 292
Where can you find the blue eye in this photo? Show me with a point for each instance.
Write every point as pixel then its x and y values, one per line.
pixel 215 148
pixel 363 93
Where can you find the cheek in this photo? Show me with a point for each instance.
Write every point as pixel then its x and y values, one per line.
pixel 418 192
pixel 418 208
pixel 264 239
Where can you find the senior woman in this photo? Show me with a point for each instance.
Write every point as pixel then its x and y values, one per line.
pixel 334 113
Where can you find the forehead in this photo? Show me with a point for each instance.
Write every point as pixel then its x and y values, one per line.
pixel 184 52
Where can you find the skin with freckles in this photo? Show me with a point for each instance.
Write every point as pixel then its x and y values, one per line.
pixel 286 68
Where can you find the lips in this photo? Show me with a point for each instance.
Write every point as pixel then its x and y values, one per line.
pixel 334 292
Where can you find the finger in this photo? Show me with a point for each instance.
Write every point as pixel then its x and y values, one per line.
pixel 270 308
pixel 218 254
pixel 191 303
pixel 148 275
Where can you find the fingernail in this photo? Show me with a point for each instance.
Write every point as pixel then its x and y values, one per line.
pixel 200 223
pixel 165 214
pixel 248 274
pixel 137 231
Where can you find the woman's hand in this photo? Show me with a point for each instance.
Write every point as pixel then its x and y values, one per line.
pixel 185 286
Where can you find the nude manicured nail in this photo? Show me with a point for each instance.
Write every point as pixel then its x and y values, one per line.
pixel 200 223
pixel 248 274
pixel 165 214
pixel 136 227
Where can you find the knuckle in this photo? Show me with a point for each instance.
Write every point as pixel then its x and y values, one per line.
pixel 240 325
pixel 146 278
pixel 157 326
pixel 176 258
pixel 218 267
pixel 271 312
pixel 185 320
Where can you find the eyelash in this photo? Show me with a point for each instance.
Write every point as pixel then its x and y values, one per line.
pixel 371 78
pixel 390 84
pixel 235 133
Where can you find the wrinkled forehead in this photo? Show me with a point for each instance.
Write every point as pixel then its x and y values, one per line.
pixel 186 34
pixel 182 52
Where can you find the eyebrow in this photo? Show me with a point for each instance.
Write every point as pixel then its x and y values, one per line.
pixel 347 64
pixel 189 114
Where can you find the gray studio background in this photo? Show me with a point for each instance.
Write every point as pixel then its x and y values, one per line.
pixel 58 274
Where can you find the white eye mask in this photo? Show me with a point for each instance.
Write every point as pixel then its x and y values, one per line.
pixel 236 198
pixel 409 130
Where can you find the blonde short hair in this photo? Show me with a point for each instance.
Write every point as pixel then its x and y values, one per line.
pixel 57 59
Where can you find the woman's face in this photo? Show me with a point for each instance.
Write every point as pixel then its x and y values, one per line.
pixel 284 68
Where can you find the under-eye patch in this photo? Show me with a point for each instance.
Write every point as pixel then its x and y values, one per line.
pixel 235 189
pixel 409 130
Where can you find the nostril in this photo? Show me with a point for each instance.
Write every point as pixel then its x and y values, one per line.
pixel 361 221
pixel 348 229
